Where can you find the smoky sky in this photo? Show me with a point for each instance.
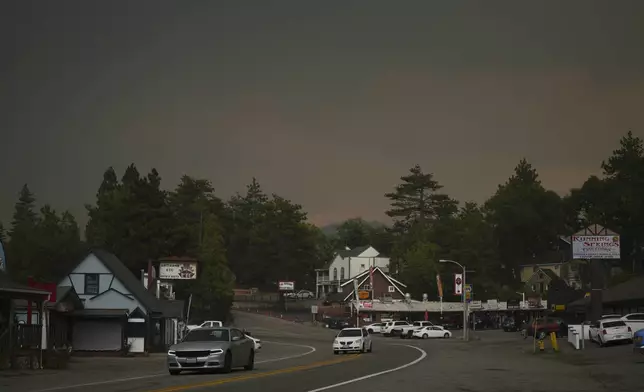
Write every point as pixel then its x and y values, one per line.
pixel 327 103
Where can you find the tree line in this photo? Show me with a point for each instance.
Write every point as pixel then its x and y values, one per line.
pixel 520 224
pixel 251 240
pixel 255 239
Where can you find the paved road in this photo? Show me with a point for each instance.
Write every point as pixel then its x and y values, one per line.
pixel 298 358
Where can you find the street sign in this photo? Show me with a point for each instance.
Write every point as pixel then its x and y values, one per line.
pixel 314 309
pixel 363 294
pixel 286 285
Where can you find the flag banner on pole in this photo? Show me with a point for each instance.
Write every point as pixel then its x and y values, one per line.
pixel 439 284
pixel 458 284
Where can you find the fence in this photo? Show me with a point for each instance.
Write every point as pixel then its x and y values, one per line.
pixel 575 337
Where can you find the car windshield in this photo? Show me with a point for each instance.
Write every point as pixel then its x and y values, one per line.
pixel 207 335
pixel 350 333
pixel 614 324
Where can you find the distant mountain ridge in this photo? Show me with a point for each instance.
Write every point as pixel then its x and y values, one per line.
pixel 333 227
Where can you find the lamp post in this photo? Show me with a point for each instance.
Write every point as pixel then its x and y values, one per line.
pixel 465 318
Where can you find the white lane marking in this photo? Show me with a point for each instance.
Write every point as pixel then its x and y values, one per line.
pixel 119 380
pixel 311 351
pixel 412 363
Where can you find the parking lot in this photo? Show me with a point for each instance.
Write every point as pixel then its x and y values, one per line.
pixel 496 360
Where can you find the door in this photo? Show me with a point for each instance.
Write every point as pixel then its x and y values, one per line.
pixel 237 340
pixel 97 335
pixel 367 338
pixel 435 332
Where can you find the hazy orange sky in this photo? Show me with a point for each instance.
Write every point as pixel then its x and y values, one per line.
pixel 327 103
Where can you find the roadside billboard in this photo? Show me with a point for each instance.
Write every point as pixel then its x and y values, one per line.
pixel 284 285
pixel 178 271
pixel 592 247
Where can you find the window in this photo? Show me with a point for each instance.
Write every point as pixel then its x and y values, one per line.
pixel 91 284
pixel 634 317
pixel 236 334
pixel 365 287
pixel 611 324
pixel 362 266
pixel 342 273
pixel 335 274
pixel 391 289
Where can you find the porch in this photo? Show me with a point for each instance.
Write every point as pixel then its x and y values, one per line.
pixel 21 344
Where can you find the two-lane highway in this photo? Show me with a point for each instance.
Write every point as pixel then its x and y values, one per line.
pixel 293 356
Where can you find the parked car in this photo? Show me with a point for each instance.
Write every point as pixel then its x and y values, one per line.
pixel 433 331
pixel 510 325
pixel 339 323
pixel 374 328
pixel 206 324
pixel 408 330
pixel 302 294
pixel 542 327
pixel 634 320
pixel 394 327
pixel 608 331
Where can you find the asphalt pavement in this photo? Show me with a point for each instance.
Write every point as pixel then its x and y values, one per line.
pixel 298 358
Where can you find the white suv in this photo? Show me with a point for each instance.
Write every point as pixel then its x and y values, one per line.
pixel 394 327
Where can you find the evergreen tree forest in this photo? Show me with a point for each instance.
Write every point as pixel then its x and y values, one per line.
pixel 254 239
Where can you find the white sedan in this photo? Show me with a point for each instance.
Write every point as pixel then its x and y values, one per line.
pixel 257 342
pixel 433 331
pixel 352 340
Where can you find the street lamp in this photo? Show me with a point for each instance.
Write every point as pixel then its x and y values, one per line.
pixel 465 318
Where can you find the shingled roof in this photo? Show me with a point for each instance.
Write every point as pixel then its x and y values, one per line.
pixel 627 291
pixel 344 253
pixel 127 278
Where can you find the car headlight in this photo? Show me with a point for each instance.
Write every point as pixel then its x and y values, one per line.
pixel 171 352
pixel 216 351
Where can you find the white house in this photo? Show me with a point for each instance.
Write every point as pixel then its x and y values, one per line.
pixel 118 312
pixel 346 265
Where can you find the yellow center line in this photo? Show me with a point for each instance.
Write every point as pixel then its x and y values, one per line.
pixel 253 376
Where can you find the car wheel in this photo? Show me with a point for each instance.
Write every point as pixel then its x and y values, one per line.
pixel 174 372
pixel 228 363
pixel 251 361
pixel 335 352
pixel 370 331
pixel 446 336
pixel 425 336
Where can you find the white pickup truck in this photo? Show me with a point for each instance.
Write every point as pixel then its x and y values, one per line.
pixel 407 331
pixel 206 324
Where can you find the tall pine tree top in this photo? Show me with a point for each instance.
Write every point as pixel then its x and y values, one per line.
pixel 416 198
pixel 24 214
